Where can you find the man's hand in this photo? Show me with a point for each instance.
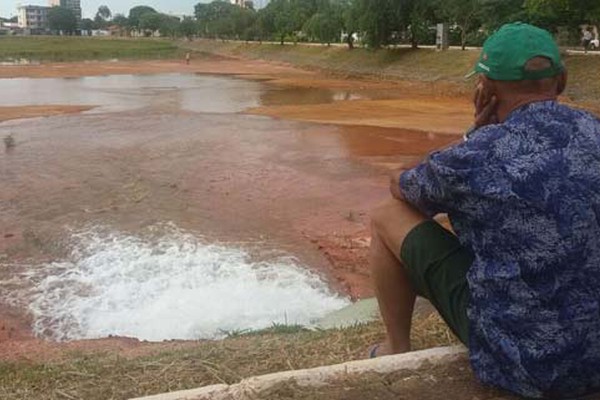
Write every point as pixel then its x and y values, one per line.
pixel 395 185
pixel 486 105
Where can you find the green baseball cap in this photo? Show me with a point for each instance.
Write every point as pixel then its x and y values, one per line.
pixel 506 53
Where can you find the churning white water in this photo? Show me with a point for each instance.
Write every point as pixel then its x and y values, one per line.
pixel 173 287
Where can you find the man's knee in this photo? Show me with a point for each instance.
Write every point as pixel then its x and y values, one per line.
pixel 393 220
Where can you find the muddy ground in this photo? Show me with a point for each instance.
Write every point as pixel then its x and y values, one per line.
pixel 304 178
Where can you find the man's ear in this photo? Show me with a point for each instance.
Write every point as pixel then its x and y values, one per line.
pixel 562 83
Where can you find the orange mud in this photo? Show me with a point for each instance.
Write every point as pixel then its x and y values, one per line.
pixel 308 185
pixel 8 113
pixel 451 116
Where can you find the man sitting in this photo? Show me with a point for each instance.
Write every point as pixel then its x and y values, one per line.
pixel 519 284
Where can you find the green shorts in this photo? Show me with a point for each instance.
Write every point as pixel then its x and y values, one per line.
pixel 437 265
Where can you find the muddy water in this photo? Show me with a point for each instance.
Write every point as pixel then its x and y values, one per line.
pixel 184 92
pixel 173 151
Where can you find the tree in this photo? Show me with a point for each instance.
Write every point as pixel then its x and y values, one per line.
pixel 62 19
pixel 188 27
pixel 169 25
pixel 350 16
pixel 327 23
pixel 149 22
pixel 120 20
pixel 216 18
pixel 87 25
pixel 136 13
pixel 104 13
pixel 280 14
pixel 495 13
pixel 243 20
pixel 463 13
pixel 375 22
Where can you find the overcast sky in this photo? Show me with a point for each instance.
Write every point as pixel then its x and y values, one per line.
pixel 8 8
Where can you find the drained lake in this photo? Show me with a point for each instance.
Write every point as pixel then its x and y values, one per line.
pixel 166 212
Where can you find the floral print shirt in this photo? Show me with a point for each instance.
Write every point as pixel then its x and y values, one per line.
pixel 524 196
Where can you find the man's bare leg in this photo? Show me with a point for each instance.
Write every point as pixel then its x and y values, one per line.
pixel 391 223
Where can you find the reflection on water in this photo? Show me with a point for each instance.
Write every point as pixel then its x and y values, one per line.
pixel 304 96
pixel 172 92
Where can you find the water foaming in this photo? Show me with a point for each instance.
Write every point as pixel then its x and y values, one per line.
pixel 171 287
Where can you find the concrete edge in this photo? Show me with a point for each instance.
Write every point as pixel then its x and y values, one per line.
pixel 248 388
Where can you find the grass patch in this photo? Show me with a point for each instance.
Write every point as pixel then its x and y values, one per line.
pixel 62 48
pixel 423 65
pixel 110 376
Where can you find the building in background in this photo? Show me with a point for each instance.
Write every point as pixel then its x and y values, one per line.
pixel 73 5
pixel 33 19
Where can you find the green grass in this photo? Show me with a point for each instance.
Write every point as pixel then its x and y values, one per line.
pixel 108 375
pixel 423 65
pixel 57 48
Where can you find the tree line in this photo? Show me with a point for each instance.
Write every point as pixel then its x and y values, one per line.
pixel 375 23
pixel 388 22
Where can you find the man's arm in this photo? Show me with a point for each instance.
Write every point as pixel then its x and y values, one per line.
pixel 486 105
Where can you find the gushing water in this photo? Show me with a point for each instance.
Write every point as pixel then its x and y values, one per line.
pixel 173 287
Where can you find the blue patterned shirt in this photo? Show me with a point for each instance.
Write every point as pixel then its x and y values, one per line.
pixel 524 196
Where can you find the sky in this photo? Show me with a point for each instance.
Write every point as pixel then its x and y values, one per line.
pixel 8 8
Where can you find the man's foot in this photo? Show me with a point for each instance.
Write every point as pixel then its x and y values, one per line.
pixel 380 350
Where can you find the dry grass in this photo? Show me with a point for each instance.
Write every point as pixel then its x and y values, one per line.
pixel 111 376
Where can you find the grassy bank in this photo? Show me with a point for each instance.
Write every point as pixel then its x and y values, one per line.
pixel 111 375
pixel 57 48
pixel 424 65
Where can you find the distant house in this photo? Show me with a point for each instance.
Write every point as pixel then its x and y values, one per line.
pixel 9 28
pixel 33 19
pixel 100 32
pixel 116 30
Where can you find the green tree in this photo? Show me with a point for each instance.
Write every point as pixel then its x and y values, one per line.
pixel 136 13
pixel 104 13
pixel 87 25
pixel 326 24
pixel 102 17
pixel 62 19
pixel 279 13
pixel 120 20
pixel 375 21
pixel 350 20
pixel 188 27
pixel 150 22
pixel 495 13
pixel 243 21
pixel 169 25
pixel 465 14
pixel 216 19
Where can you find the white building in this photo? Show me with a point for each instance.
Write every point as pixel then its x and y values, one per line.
pixel 33 18
pixel 73 5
